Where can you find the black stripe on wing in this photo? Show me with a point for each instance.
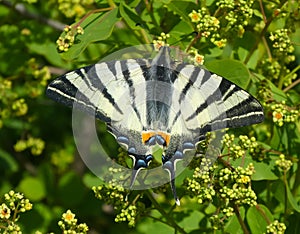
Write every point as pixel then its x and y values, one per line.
pixel 96 83
pixel 63 91
pixel 128 79
pixel 233 107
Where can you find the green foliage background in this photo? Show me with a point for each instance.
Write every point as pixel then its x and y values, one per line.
pixel 259 49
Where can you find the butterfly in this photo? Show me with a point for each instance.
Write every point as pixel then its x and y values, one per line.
pixel 156 102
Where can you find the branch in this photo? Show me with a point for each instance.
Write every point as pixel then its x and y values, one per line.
pixel 169 219
pixel 21 9
pixel 262 33
pixel 243 225
pixel 292 85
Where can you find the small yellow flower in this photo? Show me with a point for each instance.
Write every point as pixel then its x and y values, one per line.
pixel 245 179
pixel 158 44
pixel 4 211
pixel 277 115
pixel 25 32
pixel 278 118
pixel 69 217
pixel 199 59
pixel 28 206
pixel 216 22
pixel 195 16
pixel 220 43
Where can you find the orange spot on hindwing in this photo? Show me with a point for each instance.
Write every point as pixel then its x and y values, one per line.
pixel 146 135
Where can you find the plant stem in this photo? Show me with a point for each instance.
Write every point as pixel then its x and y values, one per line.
pixel 169 219
pixel 90 13
pixel 295 82
pixel 263 213
pixel 262 34
pixel 21 9
pixel 243 225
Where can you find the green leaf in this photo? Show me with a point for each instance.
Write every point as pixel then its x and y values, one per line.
pixel 33 188
pixel 258 217
pixel 264 171
pixel 42 216
pixel 152 226
pixel 97 27
pixel 91 180
pixel 233 226
pixel 191 221
pixel 7 162
pixel 71 189
pixel 281 192
pixel 182 8
pixel 278 94
pixel 291 199
pixel 130 17
pixel 232 70
pixel 294 96
pixel 48 50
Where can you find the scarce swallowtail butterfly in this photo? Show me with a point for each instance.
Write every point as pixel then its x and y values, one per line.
pixel 150 102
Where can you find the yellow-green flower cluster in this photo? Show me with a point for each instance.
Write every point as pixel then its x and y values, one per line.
pixel 65 42
pixel 239 175
pixel 111 193
pixel 239 195
pixel 74 8
pixel 12 228
pixel 283 114
pixel 235 151
pixel 208 26
pixel 276 68
pixel 283 164
pixel 199 190
pixel 63 158
pixel 228 211
pixel 276 227
pixel 161 41
pixel 235 185
pixel 237 14
pixel 4 86
pixel 68 224
pixel 17 201
pixel 264 92
pixel 281 42
pixel 271 68
pixel 228 140
pixel 36 145
pixel 216 222
pixel 14 204
pixel 37 78
pixel 20 107
pixel 43 75
pixel 251 145
pixel 201 185
pixel 127 214
pixel 9 102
